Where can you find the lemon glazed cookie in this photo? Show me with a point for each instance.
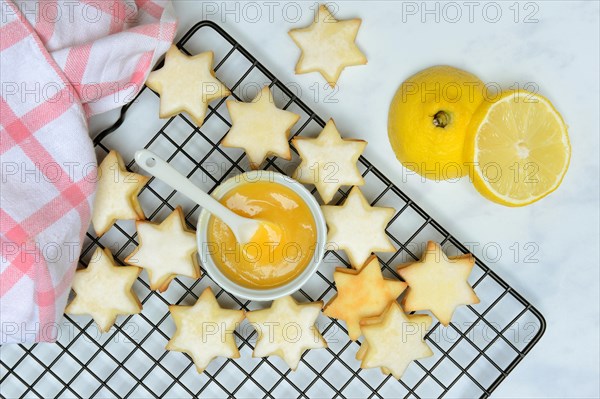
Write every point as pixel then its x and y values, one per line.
pixel 205 330
pixel 260 128
pixel 328 161
pixel 361 294
pixel 116 194
pixel 393 340
pixel 166 250
pixel 287 329
pixel 358 228
pixel 104 290
pixel 438 283
pixel 328 46
pixel 186 83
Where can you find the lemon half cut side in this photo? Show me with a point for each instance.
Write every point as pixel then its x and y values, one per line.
pixel 519 146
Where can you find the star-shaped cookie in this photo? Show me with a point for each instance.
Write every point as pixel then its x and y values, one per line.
pixel 260 128
pixel 438 283
pixel 205 330
pixel 116 194
pixel 186 83
pixel 358 228
pixel 361 294
pixel 287 329
pixel 393 340
pixel 104 290
pixel 328 161
pixel 166 250
pixel 328 46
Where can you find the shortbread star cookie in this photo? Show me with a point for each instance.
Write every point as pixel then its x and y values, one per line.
pixel 393 340
pixel 205 330
pixel 260 128
pixel 358 228
pixel 104 290
pixel 186 83
pixel 116 194
pixel 166 250
pixel 328 46
pixel 328 161
pixel 361 294
pixel 287 329
pixel 438 283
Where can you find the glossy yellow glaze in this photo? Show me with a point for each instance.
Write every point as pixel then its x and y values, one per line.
pixel 279 251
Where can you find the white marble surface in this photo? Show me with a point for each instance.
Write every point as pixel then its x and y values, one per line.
pixel 559 53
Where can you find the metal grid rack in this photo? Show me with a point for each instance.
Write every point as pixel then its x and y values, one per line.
pixel 471 358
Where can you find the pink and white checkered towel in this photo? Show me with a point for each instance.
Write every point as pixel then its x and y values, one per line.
pixel 60 62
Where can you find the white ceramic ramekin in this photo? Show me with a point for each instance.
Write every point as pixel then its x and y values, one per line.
pixel 272 293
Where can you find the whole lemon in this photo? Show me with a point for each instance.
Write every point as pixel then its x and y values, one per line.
pixel 428 120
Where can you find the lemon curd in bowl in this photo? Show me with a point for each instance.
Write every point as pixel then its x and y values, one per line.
pixel 285 252
pixel 275 256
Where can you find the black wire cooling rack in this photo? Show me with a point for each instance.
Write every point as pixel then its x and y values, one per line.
pixel 471 358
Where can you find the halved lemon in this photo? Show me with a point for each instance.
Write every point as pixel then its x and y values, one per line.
pixel 519 146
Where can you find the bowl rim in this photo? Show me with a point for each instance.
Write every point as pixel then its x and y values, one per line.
pixel 271 293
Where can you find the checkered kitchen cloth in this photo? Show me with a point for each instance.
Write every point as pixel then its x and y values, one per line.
pixel 60 62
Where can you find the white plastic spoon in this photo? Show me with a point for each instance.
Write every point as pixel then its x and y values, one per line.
pixel 243 228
